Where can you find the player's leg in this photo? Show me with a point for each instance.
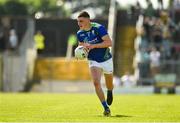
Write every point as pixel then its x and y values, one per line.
pixel 109 81
pixel 96 76
pixel 108 74
pixel 109 85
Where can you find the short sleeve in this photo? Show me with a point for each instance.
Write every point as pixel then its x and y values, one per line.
pixel 102 31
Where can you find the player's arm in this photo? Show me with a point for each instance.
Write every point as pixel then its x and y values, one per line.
pixel 106 43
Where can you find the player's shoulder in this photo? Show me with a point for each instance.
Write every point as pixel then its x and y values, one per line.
pixel 96 25
pixel 79 32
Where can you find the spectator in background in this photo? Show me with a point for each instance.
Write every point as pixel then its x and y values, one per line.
pixel 39 42
pixel 138 8
pixel 166 48
pixel 149 11
pixel 167 36
pixel 157 33
pixel 176 4
pixel 160 4
pixel 141 64
pixel 154 61
pixel 141 59
pixel 13 40
pixel 72 41
pixel 2 40
pixel 149 24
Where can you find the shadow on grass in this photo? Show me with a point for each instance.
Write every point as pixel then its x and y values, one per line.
pixel 117 116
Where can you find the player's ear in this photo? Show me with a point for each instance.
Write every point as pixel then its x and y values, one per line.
pixel 88 20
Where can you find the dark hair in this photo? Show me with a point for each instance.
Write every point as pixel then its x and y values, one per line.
pixel 84 14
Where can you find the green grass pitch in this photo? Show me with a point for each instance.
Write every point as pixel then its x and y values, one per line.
pixel 44 107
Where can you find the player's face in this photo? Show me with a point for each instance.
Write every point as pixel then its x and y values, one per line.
pixel 83 22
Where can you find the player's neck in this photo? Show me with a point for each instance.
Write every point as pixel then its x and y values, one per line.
pixel 88 27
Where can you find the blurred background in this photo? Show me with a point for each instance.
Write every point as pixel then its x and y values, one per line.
pixel 38 38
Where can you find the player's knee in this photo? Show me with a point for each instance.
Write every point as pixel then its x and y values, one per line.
pixel 97 84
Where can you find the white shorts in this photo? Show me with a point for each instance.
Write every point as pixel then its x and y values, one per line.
pixel 106 66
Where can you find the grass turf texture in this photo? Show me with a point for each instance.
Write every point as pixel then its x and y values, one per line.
pixel 32 107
